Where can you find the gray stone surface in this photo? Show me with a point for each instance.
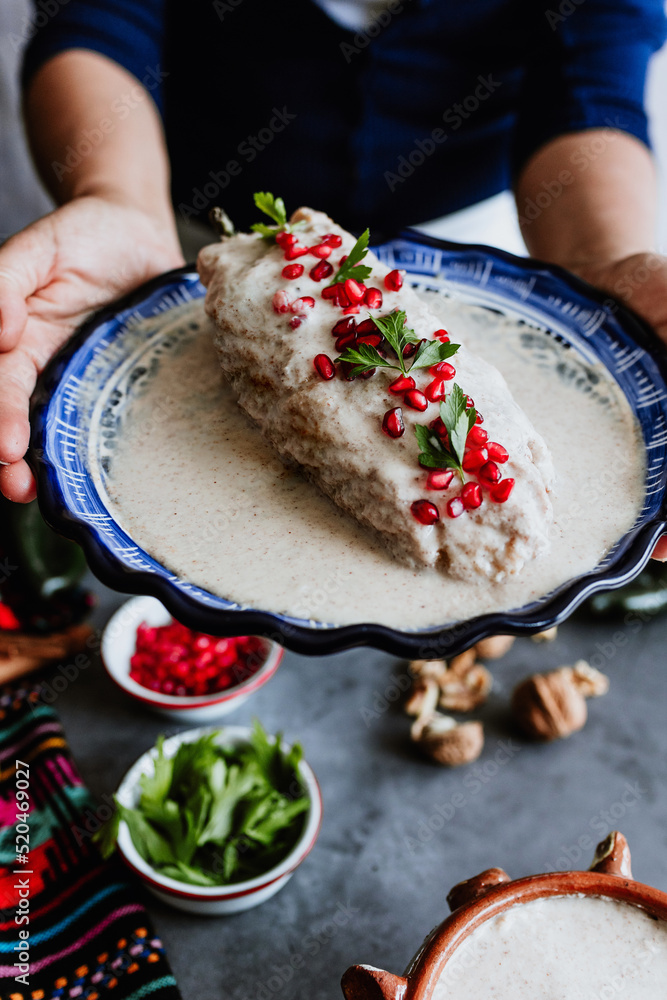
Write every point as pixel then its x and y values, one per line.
pixel 399 831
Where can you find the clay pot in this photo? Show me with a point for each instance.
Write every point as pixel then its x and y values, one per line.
pixel 485 896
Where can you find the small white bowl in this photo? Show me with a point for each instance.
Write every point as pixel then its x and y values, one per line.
pixel 119 642
pixel 222 899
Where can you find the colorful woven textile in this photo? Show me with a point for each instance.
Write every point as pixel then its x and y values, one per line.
pixel 71 925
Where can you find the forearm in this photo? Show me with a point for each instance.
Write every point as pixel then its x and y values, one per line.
pixel 587 198
pixel 94 129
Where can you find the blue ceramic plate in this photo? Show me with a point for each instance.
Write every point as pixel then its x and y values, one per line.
pixel 96 362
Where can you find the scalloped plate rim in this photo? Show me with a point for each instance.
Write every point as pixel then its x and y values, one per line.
pixel 320 638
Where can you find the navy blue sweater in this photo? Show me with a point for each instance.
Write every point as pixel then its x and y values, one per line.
pixel 436 111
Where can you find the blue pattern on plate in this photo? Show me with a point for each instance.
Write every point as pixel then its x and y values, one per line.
pixel 89 378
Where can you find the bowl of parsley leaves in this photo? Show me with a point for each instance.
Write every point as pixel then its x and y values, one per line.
pixel 216 820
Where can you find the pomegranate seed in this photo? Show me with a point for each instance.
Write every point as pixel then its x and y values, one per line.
pixel 455 507
pixel 332 240
pixel 416 399
pixel 305 302
pixel 439 479
pixel 343 259
pixel 501 492
pixel 470 402
pixel 322 270
pixel 324 367
pixel 471 494
pixel 281 302
pixel 475 459
pixel 367 326
pixel 393 281
pixel 345 341
pixel 371 339
pixel 341 295
pixel 402 384
pixel 346 370
pixel 438 426
pixel 291 253
pixel 331 291
pixel 477 438
pixel 285 240
pixel 425 511
pixel 489 473
pixel 392 422
pixel 442 335
pixel 322 250
pixel 410 349
pixel 296 321
pixel 343 326
pixel 355 291
pixel 497 452
pixel 444 370
pixel 373 298
pixel 479 419
pixel 435 391
pixel 368 374
pixel 351 311
pixel 292 271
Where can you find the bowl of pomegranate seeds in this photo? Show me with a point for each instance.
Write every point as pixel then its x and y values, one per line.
pixel 182 674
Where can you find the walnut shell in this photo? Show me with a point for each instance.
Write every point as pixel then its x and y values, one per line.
pixel 448 742
pixel 423 697
pixel 549 706
pixel 462 694
pixel 494 646
pixel 548 635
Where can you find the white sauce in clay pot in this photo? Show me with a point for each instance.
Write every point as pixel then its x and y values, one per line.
pixel 561 948
pixel 200 490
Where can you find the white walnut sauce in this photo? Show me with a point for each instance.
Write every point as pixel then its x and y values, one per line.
pixel 560 948
pixel 201 491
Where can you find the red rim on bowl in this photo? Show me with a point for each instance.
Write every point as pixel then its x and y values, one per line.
pixel 121 676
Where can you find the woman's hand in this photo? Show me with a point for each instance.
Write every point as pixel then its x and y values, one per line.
pixel 52 276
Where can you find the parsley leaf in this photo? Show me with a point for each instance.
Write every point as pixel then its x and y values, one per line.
pixel 396 333
pixel 433 453
pixel 457 420
pixel 273 207
pixel 364 358
pixel 352 267
pixel 431 352
pixel 215 814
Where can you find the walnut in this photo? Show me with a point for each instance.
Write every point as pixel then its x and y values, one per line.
pixel 448 742
pixel 552 706
pixel 494 646
pixel 463 685
pixel 423 697
pixel 548 635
